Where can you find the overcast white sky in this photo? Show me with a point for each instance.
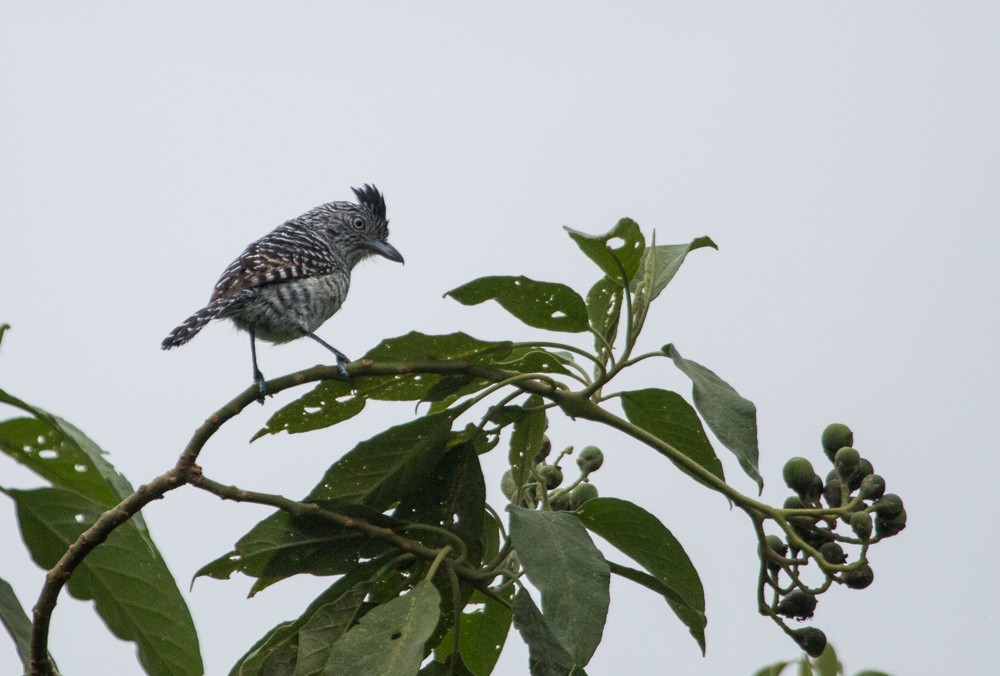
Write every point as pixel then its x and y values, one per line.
pixel 844 156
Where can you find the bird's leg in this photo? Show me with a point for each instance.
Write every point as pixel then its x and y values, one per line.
pixel 258 377
pixel 341 357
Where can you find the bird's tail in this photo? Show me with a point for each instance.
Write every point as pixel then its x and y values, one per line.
pixel 196 322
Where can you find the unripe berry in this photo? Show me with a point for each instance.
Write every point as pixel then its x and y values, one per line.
pixel 863 469
pixel 581 493
pixel 798 474
pixel 590 459
pixel 888 527
pixel 861 524
pixel 507 485
pixel 776 545
pixel 811 640
pixel 550 475
pixel 793 502
pixel 860 578
pixel 797 604
pixel 872 487
pixel 888 506
pixel 835 437
pixel 832 492
pixel 833 553
pixel 544 451
pixel 846 461
pixel 559 500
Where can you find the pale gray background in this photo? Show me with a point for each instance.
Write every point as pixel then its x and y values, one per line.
pixel 845 157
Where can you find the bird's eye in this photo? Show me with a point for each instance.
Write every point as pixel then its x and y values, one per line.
pixel 359 223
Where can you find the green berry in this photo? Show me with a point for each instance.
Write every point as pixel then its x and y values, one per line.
pixel 863 469
pixel 794 502
pixel 559 500
pixel 886 528
pixel 507 485
pixel 861 524
pixel 835 437
pixel 888 506
pixel 550 475
pixel 811 640
pixel 860 578
pixel 590 459
pixel 798 474
pixel 776 545
pixel 797 604
pixel 872 487
pixel 833 553
pixel 831 491
pixel 846 461
pixel 581 493
pixel 544 451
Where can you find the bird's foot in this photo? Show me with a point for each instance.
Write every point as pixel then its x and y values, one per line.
pixel 258 379
pixel 342 362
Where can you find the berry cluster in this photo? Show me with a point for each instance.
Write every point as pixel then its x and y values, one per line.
pixel 852 494
pixel 547 479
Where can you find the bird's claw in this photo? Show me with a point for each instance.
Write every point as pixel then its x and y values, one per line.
pixel 261 387
pixel 342 362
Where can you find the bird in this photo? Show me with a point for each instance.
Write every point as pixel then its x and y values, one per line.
pixel 286 284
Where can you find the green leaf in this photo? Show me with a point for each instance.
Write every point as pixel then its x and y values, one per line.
pixel 871 672
pixel 333 401
pixel 543 305
pixel 597 248
pixel 668 259
pixel 3 329
pixel 773 670
pixel 561 560
pixel 526 440
pixel 535 360
pixel 546 654
pixel 827 663
pixel 390 638
pixel 374 474
pixel 379 471
pixel 643 538
pixel 277 652
pixel 731 418
pixel 125 576
pixel 669 418
pixel 604 308
pixel 484 631
pixel 328 623
pixel 453 498
pixel 15 620
pixel 64 455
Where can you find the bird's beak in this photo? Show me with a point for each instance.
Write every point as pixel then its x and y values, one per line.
pixel 385 249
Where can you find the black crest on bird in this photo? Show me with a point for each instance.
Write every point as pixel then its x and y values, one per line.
pixel 370 198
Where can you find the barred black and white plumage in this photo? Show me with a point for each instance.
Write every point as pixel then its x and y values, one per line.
pixel 287 283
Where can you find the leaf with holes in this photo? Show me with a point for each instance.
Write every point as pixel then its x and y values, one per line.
pixel 543 305
pixel 599 249
pixel 125 577
pixel 526 440
pixel 278 651
pixel 334 401
pixel 62 454
pixel 731 418
pixel 389 639
pixel 484 628
pixel 374 474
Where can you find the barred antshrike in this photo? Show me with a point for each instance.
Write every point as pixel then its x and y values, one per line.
pixel 287 283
